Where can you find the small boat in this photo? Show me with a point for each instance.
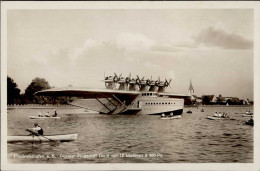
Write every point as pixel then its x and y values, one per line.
pixel 215 118
pixel 171 117
pixel 43 117
pixel 44 138
pixel 189 111
pixel 249 122
pixel 247 115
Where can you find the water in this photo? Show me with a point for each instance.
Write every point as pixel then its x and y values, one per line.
pixel 136 138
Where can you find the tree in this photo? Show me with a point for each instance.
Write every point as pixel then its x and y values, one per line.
pixel 13 92
pixel 37 84
pixel 206 100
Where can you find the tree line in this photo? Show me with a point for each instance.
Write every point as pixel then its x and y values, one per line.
pixel 14 95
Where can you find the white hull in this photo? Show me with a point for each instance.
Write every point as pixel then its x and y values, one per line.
pixel 46 138
pixel 143 105
pixel 43 117
pixel 247 115
pixel 173 117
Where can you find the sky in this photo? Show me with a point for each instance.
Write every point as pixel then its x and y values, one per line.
pixel 212 48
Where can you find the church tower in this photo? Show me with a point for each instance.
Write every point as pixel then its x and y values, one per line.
pixel 191 90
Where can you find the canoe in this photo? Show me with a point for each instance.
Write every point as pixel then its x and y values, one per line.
pixel 189 111
pixel 172 117
pixel 43 117
pixel 44 138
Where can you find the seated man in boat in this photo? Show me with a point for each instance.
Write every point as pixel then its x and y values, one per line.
pixel 55 114
pixel 37 129
pixel 40 114
pixel 224 115
pixel 163 115
pixel 171 114
pixel 47 114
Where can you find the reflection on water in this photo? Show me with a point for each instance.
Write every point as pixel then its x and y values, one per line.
pixel 106 138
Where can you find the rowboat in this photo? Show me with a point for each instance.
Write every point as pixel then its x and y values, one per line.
pixel 249 122
pixel 43 117
pixel 171 117
pixel 247 115
pixel 44 138
pixel 215 118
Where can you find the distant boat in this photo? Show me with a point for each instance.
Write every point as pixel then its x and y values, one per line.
pixel 249 122
pixel 43 117
pixel 214 118
pixel 189 111
pixel 172 117
pixel 247 115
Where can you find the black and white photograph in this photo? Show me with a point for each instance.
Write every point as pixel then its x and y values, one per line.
pixel 86 84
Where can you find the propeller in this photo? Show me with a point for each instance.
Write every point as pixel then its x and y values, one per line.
pixel 116 78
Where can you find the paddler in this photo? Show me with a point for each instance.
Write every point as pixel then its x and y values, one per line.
pixel 55 114
pixel 163 115
pixel 37 129
pixel 40 114
pixel 171 114
pixel 47 114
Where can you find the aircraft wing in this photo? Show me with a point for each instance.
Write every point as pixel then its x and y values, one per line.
pixel 85 93
pixel 101 100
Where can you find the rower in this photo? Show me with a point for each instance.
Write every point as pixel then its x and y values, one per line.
pixel 47 114
pixel 55 114
pixel 163 115
pixel 37 129
pixel 40 114
pixel 171 114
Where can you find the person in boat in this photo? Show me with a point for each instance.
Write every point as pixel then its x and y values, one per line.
pixel 47 114
pixel 171 114
pixel 224 115
pixel 163 115
pixel 37 129
pixel 40 114
pixel 55 114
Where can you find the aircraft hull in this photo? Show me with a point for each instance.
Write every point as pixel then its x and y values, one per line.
pixel 146 106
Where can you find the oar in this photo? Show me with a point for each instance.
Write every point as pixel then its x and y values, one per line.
pixel 39 135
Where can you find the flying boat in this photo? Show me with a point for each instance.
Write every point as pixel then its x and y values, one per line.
pixel 131 97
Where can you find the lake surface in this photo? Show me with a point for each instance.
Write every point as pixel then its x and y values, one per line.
pixel 135 138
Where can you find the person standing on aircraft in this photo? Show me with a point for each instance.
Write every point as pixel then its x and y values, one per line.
pixel 37 129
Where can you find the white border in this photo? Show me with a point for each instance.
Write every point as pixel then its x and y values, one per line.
pixel 131 5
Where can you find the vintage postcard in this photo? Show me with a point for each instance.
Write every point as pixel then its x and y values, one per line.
pixel 130 85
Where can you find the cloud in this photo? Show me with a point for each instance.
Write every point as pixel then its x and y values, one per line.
pixel 131 42
pixel 152 66
pixel 174 47
pixel 88 44
pixel 222 38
